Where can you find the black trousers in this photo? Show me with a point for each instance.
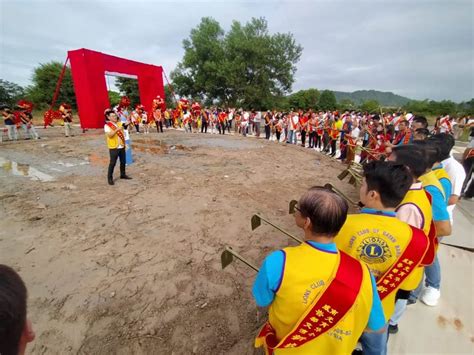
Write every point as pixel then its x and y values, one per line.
pixel 312 139
pixel 114 154
pixel 159 126
pixel 317 140
pixel 278 135
pixel 333 146
pixel 303 138
pixel 267 132
pixel 204 126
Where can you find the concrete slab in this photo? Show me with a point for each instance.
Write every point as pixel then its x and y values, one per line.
pixel 448 327
pixel 463 226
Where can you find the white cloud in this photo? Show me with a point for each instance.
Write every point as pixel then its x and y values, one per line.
pixel 421 49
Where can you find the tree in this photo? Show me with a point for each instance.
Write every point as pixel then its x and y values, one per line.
pixel 304 99
pixel 371 106
pixel 114 98
pixel 45 78
pixel 10 92
pixel 129 87
pixel 169 99
pixel 327 101
pixel 247 67
pixel 346 105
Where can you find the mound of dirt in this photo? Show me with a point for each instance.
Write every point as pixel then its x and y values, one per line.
pixel 135 267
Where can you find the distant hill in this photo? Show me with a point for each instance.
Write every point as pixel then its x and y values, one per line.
pixel 383 98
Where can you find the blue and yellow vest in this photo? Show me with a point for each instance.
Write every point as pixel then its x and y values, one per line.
pixel 441 174
pixel 306 271
pixel 430 179
pixel 377 240
pixel 418 198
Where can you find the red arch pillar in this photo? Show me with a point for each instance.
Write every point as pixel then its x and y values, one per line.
pixel 88 74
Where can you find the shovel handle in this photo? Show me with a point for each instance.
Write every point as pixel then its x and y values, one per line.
pixel 343 195
pixel 281 230
pixel 241 258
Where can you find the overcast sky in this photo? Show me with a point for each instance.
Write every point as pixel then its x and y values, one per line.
pixel 418 48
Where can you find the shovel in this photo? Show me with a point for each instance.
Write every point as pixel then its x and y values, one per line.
pixel 340 193
pixel 256 221
pixel 291 206
pixel 342 175
pixel 228 255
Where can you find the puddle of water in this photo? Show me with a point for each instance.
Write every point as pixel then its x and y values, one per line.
pixel 18 169
pixel 70 165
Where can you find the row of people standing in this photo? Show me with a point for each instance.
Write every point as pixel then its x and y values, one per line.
pixel 320 300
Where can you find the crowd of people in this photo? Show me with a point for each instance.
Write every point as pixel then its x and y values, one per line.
pixel 353 277
pixel 330 132
pixel 18 121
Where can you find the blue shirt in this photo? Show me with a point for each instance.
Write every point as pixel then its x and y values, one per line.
pixel 446 183
pixel 269 278
pixel 378 212
pixel 438 204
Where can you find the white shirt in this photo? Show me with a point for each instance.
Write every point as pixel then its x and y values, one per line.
pixel 257 118
pixel 294 122
pixel 355 132
pixel 410 213
pixel 457 175
pixel 245 119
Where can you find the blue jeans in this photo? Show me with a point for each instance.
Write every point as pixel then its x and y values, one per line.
pixel 433 274
pixel 374 343
pixel 291 137
pixel 432 279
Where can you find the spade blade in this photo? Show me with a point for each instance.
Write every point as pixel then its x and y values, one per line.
pixel 291 206
pixel 342 175
pixel 255 221
pixel 226 258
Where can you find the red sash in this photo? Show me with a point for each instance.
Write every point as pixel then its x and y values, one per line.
pixel 119 132
pixel 432 241
pixel 325 311
pixel 410 259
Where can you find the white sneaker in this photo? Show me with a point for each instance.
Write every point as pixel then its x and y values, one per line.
pixel 430 296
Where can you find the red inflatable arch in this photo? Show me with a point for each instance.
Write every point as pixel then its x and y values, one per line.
pixel 88 69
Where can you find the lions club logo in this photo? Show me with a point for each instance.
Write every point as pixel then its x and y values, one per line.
pixel 374 250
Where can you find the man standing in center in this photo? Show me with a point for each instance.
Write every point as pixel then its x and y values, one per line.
pixel 116 144
pixel 321 299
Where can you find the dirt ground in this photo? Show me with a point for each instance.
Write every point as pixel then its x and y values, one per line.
pixel 135 267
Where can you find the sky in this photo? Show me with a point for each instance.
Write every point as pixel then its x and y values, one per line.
pixel 419 49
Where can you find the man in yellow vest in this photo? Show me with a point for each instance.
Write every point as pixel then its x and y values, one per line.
pixel 392 249
pixel 416 210
pixel 116 144
pixel 321 299
pixel 430 294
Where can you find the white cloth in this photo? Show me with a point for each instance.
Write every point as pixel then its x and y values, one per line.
pixel 457 175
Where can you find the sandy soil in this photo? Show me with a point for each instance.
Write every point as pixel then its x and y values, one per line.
pixel 135 267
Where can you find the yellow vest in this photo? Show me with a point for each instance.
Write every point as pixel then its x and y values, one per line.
pixel 306 271
pixel 418 198
pixel 115 141
pixel 430 179
pixel 441 173
pixel 378 241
